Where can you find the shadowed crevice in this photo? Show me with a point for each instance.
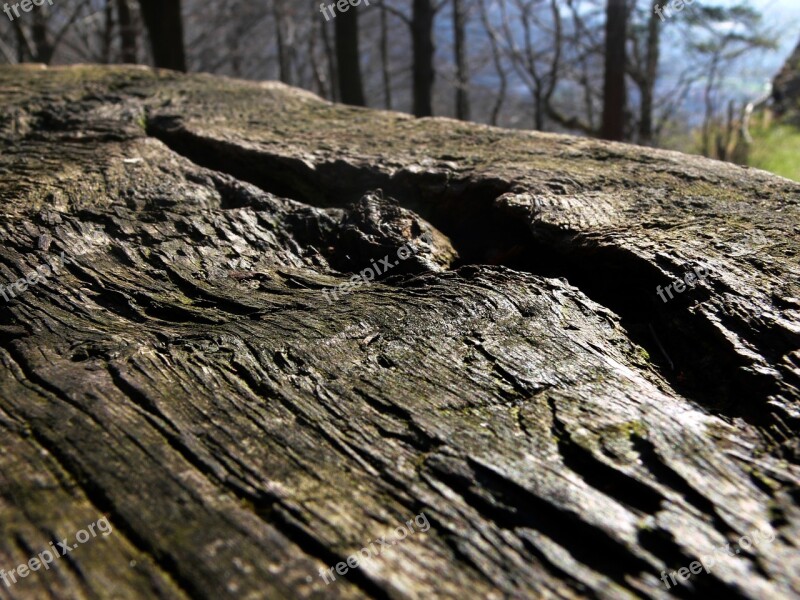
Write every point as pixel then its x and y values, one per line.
pixel 683 345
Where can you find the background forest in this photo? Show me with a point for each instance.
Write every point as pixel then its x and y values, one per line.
pixel 699 79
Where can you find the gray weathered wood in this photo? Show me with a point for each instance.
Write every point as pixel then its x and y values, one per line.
pixel 518 380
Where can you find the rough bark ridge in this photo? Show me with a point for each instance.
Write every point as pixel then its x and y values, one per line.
pixel 518 380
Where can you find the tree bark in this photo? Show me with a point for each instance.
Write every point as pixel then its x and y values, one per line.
pixel 42 42
pixel 127 33
pixel 385 70
pixel 108 31
pixel 317 70
pixel 284 55
pixel 650 76
pixel 165 28
pixel 614 94
pixel 710 106
pixel 330 55
pixel 497 59
pixel 516 381
pixel 423 52
pixel 462 67
pixel 21 44
pixel 348 58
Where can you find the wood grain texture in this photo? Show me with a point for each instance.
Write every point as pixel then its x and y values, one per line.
pixel 518 380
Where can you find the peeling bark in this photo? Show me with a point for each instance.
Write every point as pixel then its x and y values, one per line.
pixel 518 379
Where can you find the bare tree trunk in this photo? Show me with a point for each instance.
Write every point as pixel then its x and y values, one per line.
pixel 235 51
pixel 708 102
pixel 462 68
pixel 127 33
pixel 348 58
pixel 614 95
pixel 330 57
pixel 165 28
pixel 42 42
pixel 21 43
pixel 316 68
pixel 284 62
pixel 423 52
pixel 650 76
pixel 538 108
pixel 731 140
pixel 108 31
pixel 497 59
pixel 385 72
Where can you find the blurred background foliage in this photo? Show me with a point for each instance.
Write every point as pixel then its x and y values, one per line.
pixel 720 79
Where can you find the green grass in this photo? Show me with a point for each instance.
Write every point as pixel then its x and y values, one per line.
pixel 776 149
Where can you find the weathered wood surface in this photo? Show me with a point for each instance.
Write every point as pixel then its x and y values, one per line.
pixel 566 433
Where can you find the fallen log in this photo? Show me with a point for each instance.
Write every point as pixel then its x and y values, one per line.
pixel 582 373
